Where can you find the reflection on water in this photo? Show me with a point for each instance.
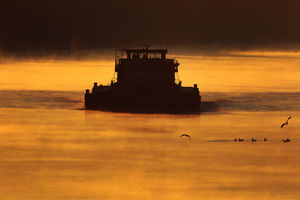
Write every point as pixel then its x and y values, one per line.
pixel 211 101
pixel 264 101
pixel 40 99
pixel 50 148
pixel 56 152
pixel 259 72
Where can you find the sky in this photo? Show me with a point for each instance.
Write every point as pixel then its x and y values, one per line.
pixel 66 26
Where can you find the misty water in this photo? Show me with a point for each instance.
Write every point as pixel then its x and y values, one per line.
pixel 51 148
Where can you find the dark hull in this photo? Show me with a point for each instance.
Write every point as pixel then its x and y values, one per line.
pixel 168 102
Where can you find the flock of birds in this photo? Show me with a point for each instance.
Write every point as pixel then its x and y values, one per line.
pixel 252 139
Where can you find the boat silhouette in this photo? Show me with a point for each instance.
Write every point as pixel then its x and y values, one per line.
pixel 146 82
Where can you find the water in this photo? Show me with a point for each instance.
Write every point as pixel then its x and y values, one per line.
pixel 51 148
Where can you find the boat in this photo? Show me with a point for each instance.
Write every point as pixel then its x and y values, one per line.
pixel 146 82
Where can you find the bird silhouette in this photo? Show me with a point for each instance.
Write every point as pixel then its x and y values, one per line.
pixel 253 139
pixel 186 135
pixel 286 123
pixel 241 140
pixel 286 140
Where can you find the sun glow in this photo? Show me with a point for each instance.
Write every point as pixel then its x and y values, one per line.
pixel 231 71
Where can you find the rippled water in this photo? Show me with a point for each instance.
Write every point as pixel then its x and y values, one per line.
pixel 51 148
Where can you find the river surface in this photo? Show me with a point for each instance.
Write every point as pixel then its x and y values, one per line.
pixel 51 148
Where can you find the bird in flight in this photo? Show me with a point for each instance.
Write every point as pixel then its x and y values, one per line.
pixel 186 135
pixel 286 123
